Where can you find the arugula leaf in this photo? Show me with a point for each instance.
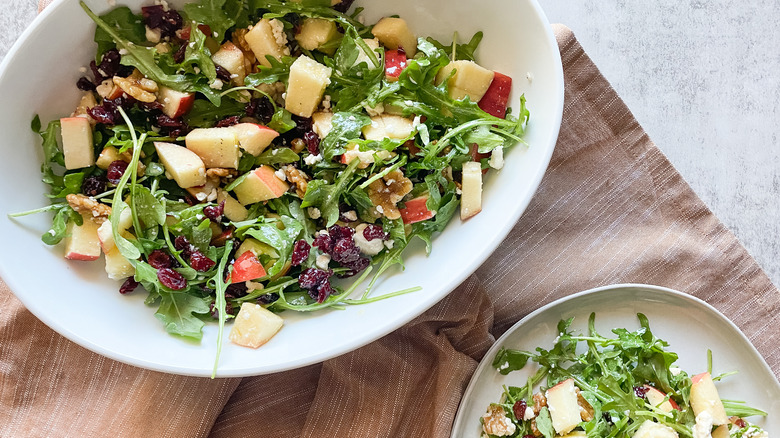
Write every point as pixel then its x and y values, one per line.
pixel 462 51
pixel 277 156
pixel 204 114
pixel 544 423
pixel 59 225
pixel 149 209
pixel 485 138
pixel 281 240
pixel 508 360
pixel 346 127
pixel 279 71
pixel 219 15
pixel 326 196
pixel 282 121
pixel 177 313
pixel 71 183
pixel 126 24
pixel 51 153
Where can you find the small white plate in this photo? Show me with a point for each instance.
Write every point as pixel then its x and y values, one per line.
pixel 689 325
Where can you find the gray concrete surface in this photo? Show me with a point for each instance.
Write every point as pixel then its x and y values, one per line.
pixel 703 78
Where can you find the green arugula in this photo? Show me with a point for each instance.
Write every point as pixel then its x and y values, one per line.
pixel 124 23
pixel 346 127
pixel 326 197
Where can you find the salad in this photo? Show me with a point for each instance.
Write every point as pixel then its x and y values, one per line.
pixel 628 386
pixel 236 158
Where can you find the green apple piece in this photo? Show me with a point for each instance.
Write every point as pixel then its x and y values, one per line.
pixel 705 398
pixel 82 242
pixel 561 398
pixel 233 209
pixel 175 103
pixel 322 123
pixel 306 85
pixel 394 33
pixel 315 33
pixel 117 266
pixel 470 79
pixel 267 37
pixel 254 138
pixel 77 142
pixel 388 126
pixel 217 147
pixel 471 199
pixel 254 326
pixel 231 58
pixel 651 429
pixel 184 166
pixel 260 185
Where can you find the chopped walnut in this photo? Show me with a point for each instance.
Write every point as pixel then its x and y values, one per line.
pixel 495 422
pixel 86 205
pixel 250 61
pixel 137 87
pixel 387 191
pixel 297 177
pixel 219 172
pixel 297 145
pixel 586 410
pixel 535 430
pixel 540 401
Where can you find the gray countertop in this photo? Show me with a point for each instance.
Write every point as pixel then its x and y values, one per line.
pixel 702 77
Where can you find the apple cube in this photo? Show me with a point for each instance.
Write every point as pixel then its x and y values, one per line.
pixel 395 63
pixel 316 32
pixel 254 326
pixel 108 155
pixel 721 431
pixel 117 266
pixel 394 33
pixel 416 210
pixel 471 198
pixel 306 85
pixel 267 38
pixel 651 429
pixel 561 399
pixel 184 166
pixel 257 248
pixel 372 44
pixel 705 398
pixel 247 267
pixel 388 126
pixel 366 157
pixel 496 98
pixel 322 123
pixel 87 101
pixel 175 103
pixel 105 234
pixel 217 147
pixel 658 399
pixel 470 79
pixel 260 185
pixel 231 58
pixel 233 209
pixel 254 138
pixel 82 242
pixel 77 144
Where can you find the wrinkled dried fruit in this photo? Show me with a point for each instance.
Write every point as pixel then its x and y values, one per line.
pixel 372 232
pixel 159 259
pixel 93 185
pixel 128 286
pixel 115 171
pixel 200 262
pixel 301 252
pixel 171 279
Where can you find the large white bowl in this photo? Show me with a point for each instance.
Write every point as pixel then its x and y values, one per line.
pixel 77 300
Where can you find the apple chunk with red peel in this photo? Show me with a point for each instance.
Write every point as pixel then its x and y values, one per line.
pixel 416 210
pixel 217 147
pixel 395 63
pixel 105 233
pixel 247 267
pixel 231 58
pixel 82 242
pixel 658 399
pixel 394 33
pixel 471 197
pixel 470 79
pixel 184 166
pixel 254 326
pixel 175 103
pixel 562 403
pixel 77 144
pixel 254 138
pixel 705 398
pixel 496 98
pixel 260 185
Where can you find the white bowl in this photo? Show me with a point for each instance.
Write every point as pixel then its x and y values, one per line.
pixel 77 300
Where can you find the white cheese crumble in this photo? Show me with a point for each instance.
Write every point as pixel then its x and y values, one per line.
pixel 326 102
pixel 703 426
pixel 496 160
pixel 217 84
pixel 280 173
pixel 311 160
pixel 528 414
pixel 314 212
pixel 675 371
pixel 350 215
pixel 153 35
pixel 123 52
pixel 389 243
pixel 322 262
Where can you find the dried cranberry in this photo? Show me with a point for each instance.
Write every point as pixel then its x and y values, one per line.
pixel 159 259
pixel 267 298
pixel 200 262
pixel 324 290
pixel 355 267
pixel 115 171
pixel 301 251
pixel 228 121
pixel 223 74
pixel 519 409
pixel 372 232
pixel 167 22
pixel 338 232
pixel 151 106
pixel 109 64
pixel 93 185
pixel 172 127
pixel 344 251
pixel 343 6
pixel 236 290
pixel 103 114
pixel 98 77
pixel 214 212
pixel 323 242
pixel 312 277
pixel 128 286
pixel 641 392
pixel 171 279
pixel 740 422
pixel 182 244
pixel 261 108
pixel 215 312
pixel 85 84
pixel 312 142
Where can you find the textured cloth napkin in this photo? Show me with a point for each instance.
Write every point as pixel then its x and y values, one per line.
pixel 611 209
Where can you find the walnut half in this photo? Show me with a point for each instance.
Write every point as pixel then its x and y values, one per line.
pixel 495 422
pixel 387 191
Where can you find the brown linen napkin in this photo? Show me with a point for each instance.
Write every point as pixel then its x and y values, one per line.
pixel 610 209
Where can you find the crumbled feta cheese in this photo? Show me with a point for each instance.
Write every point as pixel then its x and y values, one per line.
pixel 200 196
pixel 389 243
pixel 326 102
pixel 675 371
pixel 314 212
pixel 529 76
pixel 278 30
pixel 214 34
pixel 192 46
pixel 284 96
pixel 212 196
pixel 322 262
pixel 496 160
pixel 416 122
pixel 52 232
pixel 458 191
pixel 83 69
pixel 379 209
pixel 528 414
pixel 703 426
pixel 233 76
pixel 350 215
pixel 311 160
pixel 153 35
pixel 281 175
pixel 217 84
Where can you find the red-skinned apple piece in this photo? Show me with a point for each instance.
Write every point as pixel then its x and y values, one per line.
pixel 254 138
pixel 260 185
pixel 416 210
pixel 657 398
pixel 175 103
pixel 564 410
pixel 704 397
pixel 82 242
pixel 184 33
pixel 496 98
pixel 247 267
pixel 395 63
